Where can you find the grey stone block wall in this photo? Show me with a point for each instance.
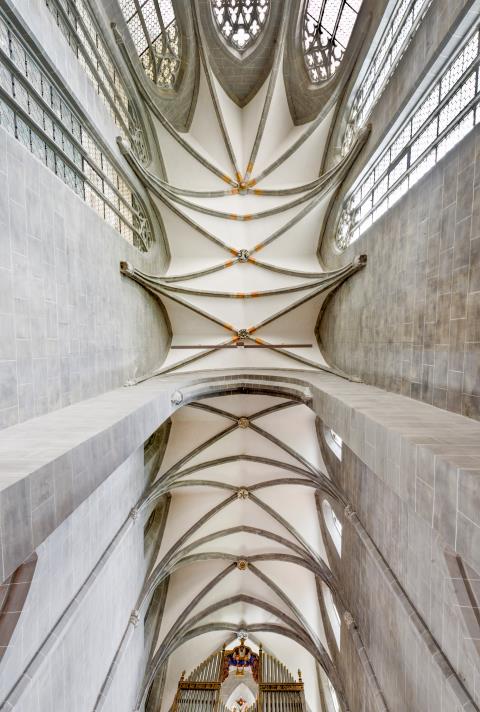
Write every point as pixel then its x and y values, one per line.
pixel 70 677
pixel 71 326
pixel 410 322
pixel 416 554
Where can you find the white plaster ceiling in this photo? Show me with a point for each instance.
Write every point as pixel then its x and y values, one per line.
pixel 285 512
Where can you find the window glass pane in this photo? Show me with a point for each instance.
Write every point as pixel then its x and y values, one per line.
pixel 56 136
pixel 423 140
pixel 240 22
pixel 92 54
pixel 327 28
pixel 403 23
pixel 154 32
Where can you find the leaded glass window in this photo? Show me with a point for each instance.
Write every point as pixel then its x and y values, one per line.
pixel 76 22
pixel 327 27
pixel 240 21
pixel 43 120
pixel 441 118
pixel 153 28
pixel 404 22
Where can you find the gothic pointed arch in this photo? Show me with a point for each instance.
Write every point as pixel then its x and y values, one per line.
pixel 321 52
pixel 241 22
pixel 327 27
pixel 157 39
pixel 227 56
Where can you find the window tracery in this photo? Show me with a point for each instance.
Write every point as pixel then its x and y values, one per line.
pixel 240 22
pixel 327 27
pixel 442 117
pixel 403 24
pixel 153 27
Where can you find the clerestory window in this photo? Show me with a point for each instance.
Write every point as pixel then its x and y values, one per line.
pixel 77 24
pixel 333 524
pixel 44 121
pixel 334 442
pixel 441 118
pixel 153 27
pixel 333 614
pixel 240 22
pixel 401 27
pixel 333 695
pixel 327 27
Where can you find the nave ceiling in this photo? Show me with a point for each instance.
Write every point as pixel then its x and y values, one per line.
pixel 242 195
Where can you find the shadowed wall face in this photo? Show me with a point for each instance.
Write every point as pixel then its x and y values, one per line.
pixel 410 322
pixel 442 587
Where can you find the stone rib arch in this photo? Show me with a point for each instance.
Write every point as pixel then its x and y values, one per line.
pixel 171 557
pixel 291 629
pixel 323 659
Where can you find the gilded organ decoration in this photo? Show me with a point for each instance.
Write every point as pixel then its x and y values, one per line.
pixel 240 658
pixel 240 680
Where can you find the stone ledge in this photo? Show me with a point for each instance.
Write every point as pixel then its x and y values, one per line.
pixel 50 464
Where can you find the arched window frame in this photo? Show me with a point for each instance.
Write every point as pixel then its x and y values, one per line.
pixel 333 696
pixel 152 25
pixel 333 524
pixel 231 17
pixel 404 21
pixel 334 442
pixel 333 614
pixel 327 27
pixel 447 111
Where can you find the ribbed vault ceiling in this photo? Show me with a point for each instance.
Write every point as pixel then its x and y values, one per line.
pixel 242 202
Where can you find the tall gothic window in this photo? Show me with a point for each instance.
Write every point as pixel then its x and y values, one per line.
pixel 333 524
pixel 446 112
pixel 402 25
pixel 77 24
pixel 45 122
pixel 327 27
pixel 334 442
pixel 333 614
pixel 240 21
pixel 153 28
pixel 333 695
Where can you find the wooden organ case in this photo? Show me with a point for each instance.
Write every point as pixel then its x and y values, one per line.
pixel 276 688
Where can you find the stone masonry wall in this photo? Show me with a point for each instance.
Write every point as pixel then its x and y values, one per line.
pixel 74 667
pixel 410 321
pixel 416 555
pixel 71 326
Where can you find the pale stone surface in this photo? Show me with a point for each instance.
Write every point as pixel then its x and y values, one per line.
pixel 83 650
pixel 71 326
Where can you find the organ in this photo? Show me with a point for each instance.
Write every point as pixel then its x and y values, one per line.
pixel 212 686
